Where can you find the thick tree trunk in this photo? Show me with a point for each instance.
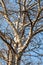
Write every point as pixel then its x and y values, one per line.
pixel 17 60
pixel 13 58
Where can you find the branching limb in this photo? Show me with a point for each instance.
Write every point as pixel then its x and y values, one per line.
pixel 10 23
pixel 3 37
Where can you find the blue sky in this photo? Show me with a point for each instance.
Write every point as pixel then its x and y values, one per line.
pixel 2 45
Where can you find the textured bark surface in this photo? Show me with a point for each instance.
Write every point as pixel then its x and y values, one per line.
pixel 13 59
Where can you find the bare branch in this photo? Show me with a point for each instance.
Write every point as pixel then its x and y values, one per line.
pixel 10 23
pixel 3 37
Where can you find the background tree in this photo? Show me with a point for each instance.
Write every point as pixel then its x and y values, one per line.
pixel 21 32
